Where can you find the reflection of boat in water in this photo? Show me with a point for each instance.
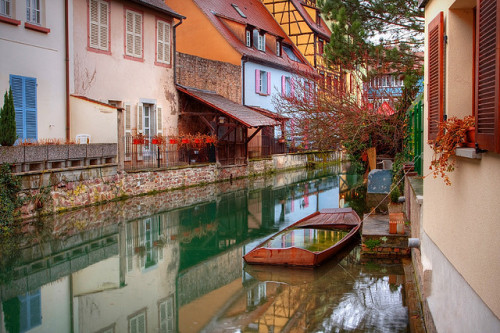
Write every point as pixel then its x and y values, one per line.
pixel 309 241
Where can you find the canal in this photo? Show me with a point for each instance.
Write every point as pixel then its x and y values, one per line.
pixel 172 262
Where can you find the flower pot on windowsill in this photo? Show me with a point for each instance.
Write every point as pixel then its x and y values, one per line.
pixel 470 137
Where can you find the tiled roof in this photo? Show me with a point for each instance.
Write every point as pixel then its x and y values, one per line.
pixel 258 16
pixel 321 29
pixel 241 113
pixel 270 114
pixel 159 5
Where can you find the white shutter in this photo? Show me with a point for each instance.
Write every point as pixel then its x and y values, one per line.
pixel 140 118
pixel 160 29
pixel 159 122
pixel 98 24
pixel 138 35
pixel 129 49
pixel 133 31
pixel 127 126
pixel 166 50
pixel 94 24
pixel 163 42
pixel 103 26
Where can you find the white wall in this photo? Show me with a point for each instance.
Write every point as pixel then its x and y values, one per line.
pixel 42 56
pixel 97 120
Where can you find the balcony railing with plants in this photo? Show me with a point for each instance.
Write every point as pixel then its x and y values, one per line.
pixel 168 151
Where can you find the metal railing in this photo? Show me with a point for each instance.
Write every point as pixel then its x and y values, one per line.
pixel 147 155
pixel 269 147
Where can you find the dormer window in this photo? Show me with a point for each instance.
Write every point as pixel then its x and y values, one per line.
pixel 235 6
pixel 261 43
pixel 248 38
pixel 278 48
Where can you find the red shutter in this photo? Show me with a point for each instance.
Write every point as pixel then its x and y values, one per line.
pixel 487 75
pixel 435 86
pixel 283 85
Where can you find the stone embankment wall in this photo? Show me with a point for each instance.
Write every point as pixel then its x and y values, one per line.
pixel 59 190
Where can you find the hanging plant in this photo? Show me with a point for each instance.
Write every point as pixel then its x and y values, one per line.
pixel 138 139
pixel 452 133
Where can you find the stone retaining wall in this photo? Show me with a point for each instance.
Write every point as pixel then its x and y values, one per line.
pixel 57 190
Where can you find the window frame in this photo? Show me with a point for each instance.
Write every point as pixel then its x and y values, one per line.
pixel 97 47
pixel 261 41
pixel 30 10
pixel 158 61
pixel 132 55
pixel 7 5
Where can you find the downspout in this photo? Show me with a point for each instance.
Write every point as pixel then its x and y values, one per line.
pixel 66 33
pixel 243 62
pixel 175 50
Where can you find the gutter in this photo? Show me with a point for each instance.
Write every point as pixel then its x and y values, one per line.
pixel 66 42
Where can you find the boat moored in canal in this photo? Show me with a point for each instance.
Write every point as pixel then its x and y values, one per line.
pixel 310 241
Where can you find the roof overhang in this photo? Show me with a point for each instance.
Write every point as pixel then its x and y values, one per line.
pixel 242 114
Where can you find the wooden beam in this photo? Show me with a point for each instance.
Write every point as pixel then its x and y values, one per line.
pixel 254 134
pixel 230 129
pixel 206 122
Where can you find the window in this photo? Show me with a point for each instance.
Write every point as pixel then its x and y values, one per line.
pixel 286 86
pixel 163 42
pixel 5 7
pixel 278 48
pixel 133 34
pixel 261 40
pixel 238 10
pixel 289 52
pixel 24 94
pixel 320 46
pixel 166 315
pixel 248 38
pixel 33 11
pixel 99 25
pixel 435 93
pixel 137 323
pixel 262 82
pixel 31 311
pixel 487 105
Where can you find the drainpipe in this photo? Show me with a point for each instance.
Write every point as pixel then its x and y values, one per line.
pixel 243 62
pixel 175 51
pixel 66 37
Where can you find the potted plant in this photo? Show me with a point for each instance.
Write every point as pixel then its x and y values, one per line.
pixel 452 133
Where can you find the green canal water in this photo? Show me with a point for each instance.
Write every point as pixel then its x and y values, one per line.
pixel 172 262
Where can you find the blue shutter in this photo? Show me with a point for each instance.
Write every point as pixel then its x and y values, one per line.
pixel 31 126
pixel 25 104
pixel 16 84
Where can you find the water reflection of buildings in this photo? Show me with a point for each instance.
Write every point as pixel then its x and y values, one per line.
pixel 158 272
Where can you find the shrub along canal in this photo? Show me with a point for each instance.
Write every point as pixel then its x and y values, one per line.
pixel 172 262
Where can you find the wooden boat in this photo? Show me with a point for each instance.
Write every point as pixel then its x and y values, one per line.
pixel 309 241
